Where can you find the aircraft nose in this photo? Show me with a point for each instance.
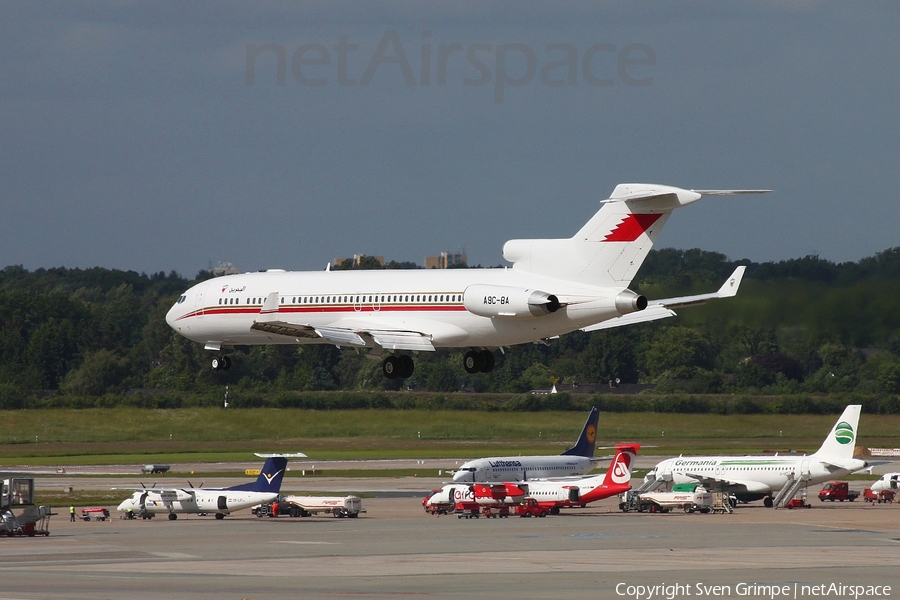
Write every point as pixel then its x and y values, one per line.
pixel 126 504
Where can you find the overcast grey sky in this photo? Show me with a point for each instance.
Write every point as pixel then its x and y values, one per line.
pixel 162 135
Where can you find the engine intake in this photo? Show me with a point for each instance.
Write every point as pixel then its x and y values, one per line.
pixel 509 302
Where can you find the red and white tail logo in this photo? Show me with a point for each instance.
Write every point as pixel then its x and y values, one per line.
pixel 620 468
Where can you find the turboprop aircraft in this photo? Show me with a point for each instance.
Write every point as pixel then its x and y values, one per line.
pixel 573 462
pixel 555 286
pixel 755 477
pixel 147 502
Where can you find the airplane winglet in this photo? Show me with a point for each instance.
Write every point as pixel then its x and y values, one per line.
pixel 729 289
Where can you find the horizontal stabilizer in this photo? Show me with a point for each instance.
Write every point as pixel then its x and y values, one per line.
pixel 729 289
pixel 280 455
pixel 661 309
pixel 729 192
pixel 643 316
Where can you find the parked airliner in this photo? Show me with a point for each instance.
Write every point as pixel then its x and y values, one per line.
pixel 755 477
pixel 147 502
pixel 555 286
pixel 551 493
pixel 573 462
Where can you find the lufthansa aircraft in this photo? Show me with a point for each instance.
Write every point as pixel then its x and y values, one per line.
pixel 574 462
pixel 555 286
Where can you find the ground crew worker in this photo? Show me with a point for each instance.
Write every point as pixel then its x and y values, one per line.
pixel 72 513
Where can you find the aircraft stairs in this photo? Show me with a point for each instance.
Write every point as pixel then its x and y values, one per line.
pixel 649 485
pixel 790 489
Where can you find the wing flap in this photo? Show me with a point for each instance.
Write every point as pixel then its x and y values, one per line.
pixel 401 340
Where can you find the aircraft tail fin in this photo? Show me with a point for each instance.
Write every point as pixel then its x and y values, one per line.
pixel 619 472
pixel 588 438
pixel 841 440
pixel 270 475
pixel 612 245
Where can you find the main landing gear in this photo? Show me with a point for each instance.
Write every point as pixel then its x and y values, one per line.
pixel 478 361
pixel 401 366
pixel 221 363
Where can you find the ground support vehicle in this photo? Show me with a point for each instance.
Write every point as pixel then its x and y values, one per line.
pixel 494 512
pixel 149 469
pixel 529 507
pixel 307 506
pixel 468 510
pixel 695 500
pixel 95 513
pixel 837 490
pixel 883 496
pixel 722 503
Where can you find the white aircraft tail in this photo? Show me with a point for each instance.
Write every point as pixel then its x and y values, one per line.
pixel 841 440
pixel 610 248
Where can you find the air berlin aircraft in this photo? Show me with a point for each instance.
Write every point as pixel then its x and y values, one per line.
pixel 554 286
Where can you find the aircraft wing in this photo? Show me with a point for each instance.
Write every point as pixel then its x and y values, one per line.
pixel 661 309
pixel 729 485
pixel 360 334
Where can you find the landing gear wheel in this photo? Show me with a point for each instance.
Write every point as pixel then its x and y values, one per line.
pixel 407 366
pixel 473 361
pixel 391 367
pixel 488 357
pixel 221 363
pixel 219 516
pixel 172 516
pixel 767 502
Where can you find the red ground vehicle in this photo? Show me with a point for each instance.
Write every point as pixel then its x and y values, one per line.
pixel 94 513
pixel 838 490
pixel 878 497
pixel 529 507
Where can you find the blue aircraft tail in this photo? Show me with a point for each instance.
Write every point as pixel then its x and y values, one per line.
pixel 588 438
pixel 269 479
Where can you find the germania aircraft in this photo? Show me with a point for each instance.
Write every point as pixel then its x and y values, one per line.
pixel 755 477
pixel 555 286
pixel 573 462
pixel 147 502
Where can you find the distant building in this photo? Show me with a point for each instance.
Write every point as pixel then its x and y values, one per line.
pixel 358 258
pixel 446 260
pixel 224 268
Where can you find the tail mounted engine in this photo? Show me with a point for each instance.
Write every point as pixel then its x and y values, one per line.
pixel 508 302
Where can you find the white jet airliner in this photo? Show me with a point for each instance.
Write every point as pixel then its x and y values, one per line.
pixel 773 477
pixel 574 462
pixel 555 286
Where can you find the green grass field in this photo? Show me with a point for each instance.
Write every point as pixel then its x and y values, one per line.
pixel 125 436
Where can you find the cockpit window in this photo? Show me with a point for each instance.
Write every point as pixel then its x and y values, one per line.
pixel 182 299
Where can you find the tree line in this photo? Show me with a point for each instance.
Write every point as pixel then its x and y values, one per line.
pixel 801 326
